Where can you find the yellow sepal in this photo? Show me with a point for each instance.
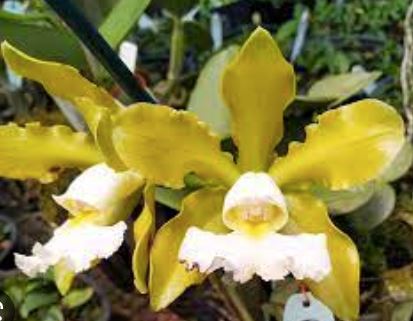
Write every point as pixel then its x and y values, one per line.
pixel 41 152
pixel 168 278
pixel 340 289
pixel 257 86
pixel 143 231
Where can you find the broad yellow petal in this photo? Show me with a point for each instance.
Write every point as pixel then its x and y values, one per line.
pixel 165 145
pixel 349 146
pixel 143 231
pixel 41 152
pixel 168 278
pixel 340 289
pixel 58 79
pixel 257 86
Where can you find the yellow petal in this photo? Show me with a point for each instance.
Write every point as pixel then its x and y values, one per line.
pixel 143 231
pixel 257 86
pixel 349 146
pixel 339 290
pixel 58 79
pixel 165 145
pixel 168 278
pixel 40 152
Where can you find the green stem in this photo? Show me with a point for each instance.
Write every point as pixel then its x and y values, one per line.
pixel 177 49
pixel 231 298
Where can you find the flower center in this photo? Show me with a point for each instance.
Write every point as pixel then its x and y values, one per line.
pixel 255 205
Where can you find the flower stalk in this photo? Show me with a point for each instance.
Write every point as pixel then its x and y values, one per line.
pixel 231 298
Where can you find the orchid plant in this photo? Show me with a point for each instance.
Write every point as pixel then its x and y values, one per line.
pixel 255 213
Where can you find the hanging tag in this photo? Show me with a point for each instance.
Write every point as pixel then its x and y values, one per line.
pixel 304 307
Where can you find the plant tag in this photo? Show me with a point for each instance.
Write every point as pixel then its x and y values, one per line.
pixel 304 307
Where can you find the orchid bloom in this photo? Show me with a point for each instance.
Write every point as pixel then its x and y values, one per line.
pixel 256 215
pixel 99 200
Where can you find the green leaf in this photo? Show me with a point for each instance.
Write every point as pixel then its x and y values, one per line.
pixel 36 300
pixel 54 313
pixel 343 86
pixel 206 100
pixel 375 211
pixel 121 19
pixel 400 165
pixel 44 42
pixel 344 201
pixel 77 297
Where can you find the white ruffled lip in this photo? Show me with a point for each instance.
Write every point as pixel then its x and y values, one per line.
pixel 79 245
pixel 99 188
pixel 272 257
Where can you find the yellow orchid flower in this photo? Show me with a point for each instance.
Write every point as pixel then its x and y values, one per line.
pixel 257 216
pixel 99 200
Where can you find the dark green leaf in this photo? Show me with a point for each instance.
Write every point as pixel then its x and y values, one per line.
pixel 36 300
pixel 42 41
pixel 196 36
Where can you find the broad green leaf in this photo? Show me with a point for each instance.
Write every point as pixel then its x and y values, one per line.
pixel 58 79
pixel 340 289
pixel 400 165
pixel 206 99
pixel 41 152
pixel 257 86
pixel 165 145
pixel 44 42
pixel 121 19
pixel 63 277
pixel 143 231
pixel 36 300
pixel 344 201
pixel 375 211
pixel 340 87
pixel 77 297
pixel 168 278
pixel 349 146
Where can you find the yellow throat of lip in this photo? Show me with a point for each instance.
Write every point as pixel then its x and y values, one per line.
pixel 256 219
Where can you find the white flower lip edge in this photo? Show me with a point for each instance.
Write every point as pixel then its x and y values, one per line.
pixel 98 188
pixel 78 245
pixel 254 189
pixel 272 257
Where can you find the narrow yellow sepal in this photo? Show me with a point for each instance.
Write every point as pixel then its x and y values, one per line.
pixel 257 86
